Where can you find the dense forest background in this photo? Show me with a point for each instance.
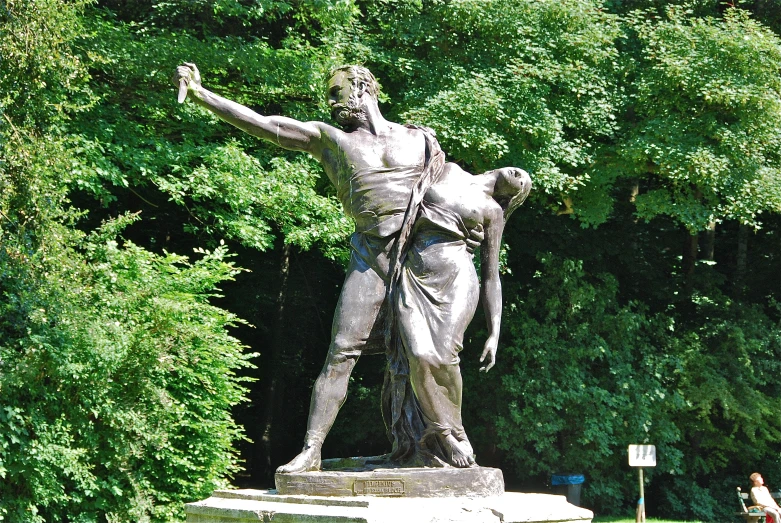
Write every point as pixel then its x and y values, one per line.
pixel 167 282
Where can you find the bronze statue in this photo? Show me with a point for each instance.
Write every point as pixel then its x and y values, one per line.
pixel 433 300
pixel 386 175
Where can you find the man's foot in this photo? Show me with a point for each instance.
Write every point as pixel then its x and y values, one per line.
pixel 307 461
pixel 460 454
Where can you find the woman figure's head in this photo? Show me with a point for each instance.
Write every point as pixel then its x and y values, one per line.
pixel 511 187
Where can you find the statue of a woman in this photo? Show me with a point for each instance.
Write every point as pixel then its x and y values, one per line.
pixel 436 295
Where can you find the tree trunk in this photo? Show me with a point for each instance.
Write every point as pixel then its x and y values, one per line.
pixel 274 386
pixel 709 243
pixel 690 252
pixel 690 247
pixel 634 190
pixel 741 261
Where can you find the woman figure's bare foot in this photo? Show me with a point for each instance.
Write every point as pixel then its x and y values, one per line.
pixel 460 455
pixel 468 448
pixel 307 461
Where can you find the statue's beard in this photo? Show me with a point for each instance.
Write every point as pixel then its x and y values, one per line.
pixel 349 114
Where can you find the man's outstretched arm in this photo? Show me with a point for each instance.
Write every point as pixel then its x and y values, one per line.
pixel 285 132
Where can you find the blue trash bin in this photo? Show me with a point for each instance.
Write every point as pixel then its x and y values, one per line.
pixel 568 485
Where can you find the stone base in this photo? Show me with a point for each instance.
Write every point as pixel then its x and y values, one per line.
pixel 394 482
pixel 245 506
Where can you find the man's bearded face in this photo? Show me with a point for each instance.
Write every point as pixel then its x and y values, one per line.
pixel 350 113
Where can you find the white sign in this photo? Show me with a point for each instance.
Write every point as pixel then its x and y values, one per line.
pixel 642 455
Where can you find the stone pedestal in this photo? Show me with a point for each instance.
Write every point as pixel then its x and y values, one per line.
pixel 368 490
pixel 394 482
pixel 245 506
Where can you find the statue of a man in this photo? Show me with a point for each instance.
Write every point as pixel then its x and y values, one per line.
pixel 377 167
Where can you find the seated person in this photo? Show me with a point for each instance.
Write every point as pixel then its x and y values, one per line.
pixel 761 497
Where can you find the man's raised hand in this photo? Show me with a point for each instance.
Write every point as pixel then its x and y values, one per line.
pixel 186 75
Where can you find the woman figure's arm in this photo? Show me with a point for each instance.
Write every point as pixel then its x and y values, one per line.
pixel 491 286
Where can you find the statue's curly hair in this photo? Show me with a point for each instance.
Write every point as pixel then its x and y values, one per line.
pixel 358 73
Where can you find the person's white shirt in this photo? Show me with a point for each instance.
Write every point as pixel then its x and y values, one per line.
pixel 761 496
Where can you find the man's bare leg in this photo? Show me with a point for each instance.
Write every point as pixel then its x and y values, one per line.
pixel 328 396
pixel 354 328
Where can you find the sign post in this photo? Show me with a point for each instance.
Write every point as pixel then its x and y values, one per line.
pixel 641 456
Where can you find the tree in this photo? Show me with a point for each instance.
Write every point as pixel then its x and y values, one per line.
pixel 704 138
pixel 117 376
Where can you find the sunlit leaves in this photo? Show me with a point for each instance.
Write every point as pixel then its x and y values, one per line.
pixel 709 94
pixel 232 194
pixel 514 83
pixel 41 80
pixel 116 374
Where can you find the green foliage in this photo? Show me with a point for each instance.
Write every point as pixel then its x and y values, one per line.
pixel 117 375
pixel 242 200
pixel 708 94
pixel 584 378
pixel 230 186
pixel 41 79
pixel 729 422
pixel 509 83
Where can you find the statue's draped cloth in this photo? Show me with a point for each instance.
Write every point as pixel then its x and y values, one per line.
pixel 437 297
pixel 404 419
pixel 392 225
